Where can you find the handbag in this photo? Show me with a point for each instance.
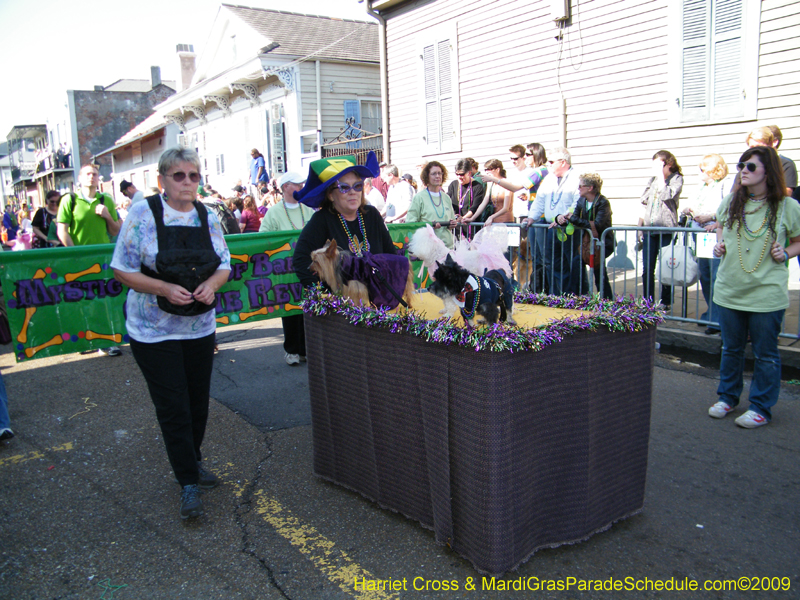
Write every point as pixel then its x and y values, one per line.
pixel 590 258
pixel 677 266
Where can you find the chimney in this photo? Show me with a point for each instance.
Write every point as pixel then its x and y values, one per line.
pixel 186 56
pixel 155 76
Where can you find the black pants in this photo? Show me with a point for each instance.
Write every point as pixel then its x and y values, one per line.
pixel 294 335
pixel 178 375
pixel 605 289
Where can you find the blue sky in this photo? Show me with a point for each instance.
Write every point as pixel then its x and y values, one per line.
pixel 51 46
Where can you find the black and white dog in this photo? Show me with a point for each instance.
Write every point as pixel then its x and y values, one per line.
pixel 490 296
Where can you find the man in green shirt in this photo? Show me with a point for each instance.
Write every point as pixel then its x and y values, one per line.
pixel 91 218
pixel 288 215
pixel 88 217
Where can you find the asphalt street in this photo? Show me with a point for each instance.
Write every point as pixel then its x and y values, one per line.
pixel 89 506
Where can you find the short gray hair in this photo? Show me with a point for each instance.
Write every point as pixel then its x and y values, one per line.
pixel 393 170
pixel 173 156
pixel 561 152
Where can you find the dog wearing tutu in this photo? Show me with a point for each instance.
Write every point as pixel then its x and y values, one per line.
pixel 482 255
pixel 490 296
pixel 384 280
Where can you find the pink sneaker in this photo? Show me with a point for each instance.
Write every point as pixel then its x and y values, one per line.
pixel 751 419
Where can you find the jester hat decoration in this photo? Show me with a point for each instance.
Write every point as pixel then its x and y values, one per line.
pixel 325 172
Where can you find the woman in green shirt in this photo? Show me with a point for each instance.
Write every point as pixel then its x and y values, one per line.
pixel 432 205
pixel 758 231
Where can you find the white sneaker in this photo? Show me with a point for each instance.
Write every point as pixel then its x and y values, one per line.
pixel 751 419
pixel 292 359
pixel 719 410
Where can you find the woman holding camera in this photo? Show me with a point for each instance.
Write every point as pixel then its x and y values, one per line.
pixel 660 201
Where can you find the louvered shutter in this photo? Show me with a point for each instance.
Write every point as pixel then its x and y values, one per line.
pixel 445 79
pixel 695 60
pixel 727 49
pixel 712 60
pixel 431 129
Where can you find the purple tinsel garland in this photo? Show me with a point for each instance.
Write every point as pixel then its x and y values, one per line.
pixel 622 314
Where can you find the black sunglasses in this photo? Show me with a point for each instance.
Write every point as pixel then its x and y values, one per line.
pixel 529 154
pixel 514 158
pixel 750 166
pixel 460 174
pixel 179 176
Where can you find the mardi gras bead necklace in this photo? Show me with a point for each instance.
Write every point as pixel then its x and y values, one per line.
pixel 302 217
pixel 475 301
pixel 355 246
pixel 753 234
pixel 436 207
pixel 760 258
pixel 461 197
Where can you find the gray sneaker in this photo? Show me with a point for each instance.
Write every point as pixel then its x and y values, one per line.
pixel 191 505
pixel 207 479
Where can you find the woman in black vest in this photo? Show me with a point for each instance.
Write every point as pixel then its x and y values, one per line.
pixel 172 254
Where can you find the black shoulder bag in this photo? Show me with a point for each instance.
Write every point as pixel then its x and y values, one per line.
pixel 186 257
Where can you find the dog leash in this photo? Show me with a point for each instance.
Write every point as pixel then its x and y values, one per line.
pixel 376 271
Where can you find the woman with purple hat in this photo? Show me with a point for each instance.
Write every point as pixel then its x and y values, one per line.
pixel 336 187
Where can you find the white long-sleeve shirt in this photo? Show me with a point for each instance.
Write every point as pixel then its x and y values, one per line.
pixel 556 196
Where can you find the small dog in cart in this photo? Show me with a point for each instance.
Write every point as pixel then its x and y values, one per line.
pixel 490 296
pixel 384 280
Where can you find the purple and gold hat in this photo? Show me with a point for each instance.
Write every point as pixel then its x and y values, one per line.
pixel 323 173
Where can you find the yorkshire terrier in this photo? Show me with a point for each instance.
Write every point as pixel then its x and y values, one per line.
pixel 490 296
pixel 379 279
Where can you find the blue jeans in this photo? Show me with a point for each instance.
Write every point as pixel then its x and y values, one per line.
pixel 707 269
pixel 5 422
pixel 766 383
pixel 564 265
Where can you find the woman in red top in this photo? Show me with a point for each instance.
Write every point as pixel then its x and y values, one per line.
pixel 250 220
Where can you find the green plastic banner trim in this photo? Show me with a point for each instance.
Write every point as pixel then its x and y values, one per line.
pixel 65 300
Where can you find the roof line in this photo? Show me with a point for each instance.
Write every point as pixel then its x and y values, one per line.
pixel 285 12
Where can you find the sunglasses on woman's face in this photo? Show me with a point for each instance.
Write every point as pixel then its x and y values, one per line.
pixel 344 188
pixel 179 176
pixel 750 166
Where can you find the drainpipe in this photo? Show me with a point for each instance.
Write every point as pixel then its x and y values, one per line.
pixel 319 107
pixel 384 80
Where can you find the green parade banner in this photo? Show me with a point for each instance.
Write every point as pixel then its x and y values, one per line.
pixel 65 300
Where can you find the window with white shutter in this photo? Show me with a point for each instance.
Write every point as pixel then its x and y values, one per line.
pixel 440 126
pixel 714 63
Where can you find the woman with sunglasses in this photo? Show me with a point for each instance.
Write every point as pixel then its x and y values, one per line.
pixel 336 187
pixel 172 255
pixel 758 232
pixel 43 219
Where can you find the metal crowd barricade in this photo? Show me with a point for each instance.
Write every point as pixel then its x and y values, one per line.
pixel 529 264
pixel 625 270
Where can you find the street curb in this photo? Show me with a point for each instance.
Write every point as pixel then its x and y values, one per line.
pixel 712 344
